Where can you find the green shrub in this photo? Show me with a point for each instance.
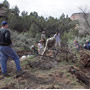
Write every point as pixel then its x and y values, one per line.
pixel 22 40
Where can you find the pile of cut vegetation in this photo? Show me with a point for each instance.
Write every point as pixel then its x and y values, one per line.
pixel 85 57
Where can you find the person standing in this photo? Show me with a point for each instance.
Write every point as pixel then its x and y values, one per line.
pixel 7 51
pixel 57 37
pixel 43 38
pixel 40 47
pixel 76 45
pixel 87 45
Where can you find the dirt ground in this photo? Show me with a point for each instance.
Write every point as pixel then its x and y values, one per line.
pixel 37 76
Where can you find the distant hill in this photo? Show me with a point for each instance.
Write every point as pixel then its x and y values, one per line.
pixel 78 16
pixel 83 26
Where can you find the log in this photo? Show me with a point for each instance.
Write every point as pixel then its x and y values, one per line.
pixel 81 76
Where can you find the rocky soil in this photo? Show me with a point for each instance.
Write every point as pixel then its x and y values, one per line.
pixel 47 72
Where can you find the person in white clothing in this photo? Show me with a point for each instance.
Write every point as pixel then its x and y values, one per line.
pixel 57 37
pixel 40 47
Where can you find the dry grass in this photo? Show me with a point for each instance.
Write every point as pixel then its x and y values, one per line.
pixel 57 77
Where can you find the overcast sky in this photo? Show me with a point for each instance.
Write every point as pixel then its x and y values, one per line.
pixel 50 7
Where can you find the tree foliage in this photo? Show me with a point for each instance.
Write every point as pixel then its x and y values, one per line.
pixel 6 4
pixel 35 24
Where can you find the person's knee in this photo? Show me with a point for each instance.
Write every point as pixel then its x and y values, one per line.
pixel 16 58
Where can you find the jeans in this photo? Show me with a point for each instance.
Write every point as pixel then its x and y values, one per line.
pixel 57 44
pixel 5 52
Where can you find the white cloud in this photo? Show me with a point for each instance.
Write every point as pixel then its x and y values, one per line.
pixel 50 7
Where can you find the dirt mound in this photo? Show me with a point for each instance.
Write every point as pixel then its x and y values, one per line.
pixel 66 54
pixel 36 79
pixel 47 72
pixel 9 86
pixel 44 64
pixel 85 57
pixel 80 75
pixel 52 58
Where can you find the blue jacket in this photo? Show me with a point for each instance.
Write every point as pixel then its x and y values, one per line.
pixel 87 46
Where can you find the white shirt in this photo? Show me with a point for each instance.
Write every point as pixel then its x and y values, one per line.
pixel 40 46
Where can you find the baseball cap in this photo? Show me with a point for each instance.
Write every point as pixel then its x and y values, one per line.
pixel 3 23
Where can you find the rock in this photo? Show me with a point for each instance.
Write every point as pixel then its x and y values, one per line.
pixel 28 56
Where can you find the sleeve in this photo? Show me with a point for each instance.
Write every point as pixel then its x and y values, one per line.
pixel 55 35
